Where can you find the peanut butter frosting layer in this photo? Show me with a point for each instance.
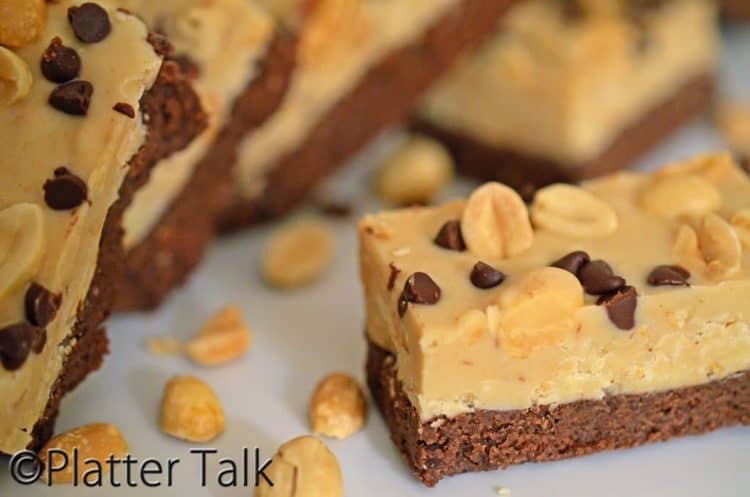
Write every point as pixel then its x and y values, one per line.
pixel 339 41
pixel 632 283
pixel 67 133
pixel 224 41
pixel 577 76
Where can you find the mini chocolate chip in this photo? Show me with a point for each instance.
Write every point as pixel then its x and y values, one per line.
pixel 72 98
pixel 125 109
pixel 668 276
pixel 90 22
pixel 39 340
pixel 41 305
pixel 620 306
pixel 598 278
pixel 392 277
pixel 485 276
pixel 65 191
pixel 450 237
pixel 59 63
pixel 573 262
pixel 418 289
pixel 15 344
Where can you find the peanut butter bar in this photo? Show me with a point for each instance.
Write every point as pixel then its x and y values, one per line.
pixel 360 66
pixel 572 89
pixel 602 316
pixel 79 134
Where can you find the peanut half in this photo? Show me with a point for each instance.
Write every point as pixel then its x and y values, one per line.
pixel 337 407
pixel 15 78
pixel 297 254
pixel 741 225
pixel 572 211
pixel 21 21
pixel 681 196
pixel 495 223
pixel 223 338
pixel 713 167
pixel 415 172
pixel 21 245
pixel 190 410
pixel 714 250
pixel 302 467
pixel 96 441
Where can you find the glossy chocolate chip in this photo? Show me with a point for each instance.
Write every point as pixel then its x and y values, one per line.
pixel 450 237
pixel 72 98
pixel 15 344
pixel 485 276
pixel 90 22
pixel 620 306
pixel 418 289
pixel 392 277
pixel 573 262
pixel 60 64
pixel 41 305
pixel 598 278
pixel 65 191
pixel 125 109
pixel 669 276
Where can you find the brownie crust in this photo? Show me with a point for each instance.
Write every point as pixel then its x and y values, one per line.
pixel 736 10
pixel 386 96
pixel 174 116
pixel 486 440
pixel 525 172
pixel 167 256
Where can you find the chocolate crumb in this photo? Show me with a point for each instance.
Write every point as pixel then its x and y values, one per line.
pixel 598 278
pixel 41 305
pixel 744 161
pixel 125 109
pixel 60 64
pixel 485 276
pixel 15 344
pixel 392 277
pixel 187 66
pixel 161 44
pixel 450 236
pixel 418 289
pixel 72 98
pixel 620 306
pixel 90 22
pixel 669 276
pixel 573 262
pixel 65 191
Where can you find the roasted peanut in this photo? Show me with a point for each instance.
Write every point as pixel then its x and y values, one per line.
pixel 338 407
pixel 15 77
pixel 720 247
pixel 681 196
pixel 710 167
pixel 572 211
pixel 190 410
pixel 21 21
pixel 741 225
pixel 224 337
pixel 733 120
pixel 21 245
pixel 297 253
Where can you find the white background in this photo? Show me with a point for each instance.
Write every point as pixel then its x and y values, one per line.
pixel 301 336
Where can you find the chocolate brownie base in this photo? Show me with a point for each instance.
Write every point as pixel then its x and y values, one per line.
pixel 525 172
pixel 167 256
pixel 386 96
pixel 738 10
pixel 174 116
pixel 485 440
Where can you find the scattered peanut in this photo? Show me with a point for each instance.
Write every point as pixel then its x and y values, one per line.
pixel 415 173
pixel 741 225
pixel 495 223
pixel 536 310
pixel 733 120
pixel 15 77
pixel 163 346
pixel 190 410
pixel 681 196
pixel 338 407
pixel 96 441
pixel 302 467
pixel 572 211
pixel 720 247
pixel 224 337
pixel 21 245
pixel 21 21
pixel 296 254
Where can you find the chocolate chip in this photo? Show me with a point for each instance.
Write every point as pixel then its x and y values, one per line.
pixel 620 306
pixel 598 278
pixel 418 289
pixel 90 22
pixel 39 340
pixel 392 277
pixel 573 10
pixel 15 344
pixel 485 276
pixel 125 109
pixel 573 262
pixel 59 63
pixel 669 276
pixel 41 305
pixel 450 237
pixel 65 191
pixel 72 98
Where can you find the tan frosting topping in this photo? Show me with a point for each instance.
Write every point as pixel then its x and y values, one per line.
pixel 538 337
pixel 575 84
pixel 225 39
pixel 58 248
pixel 340 40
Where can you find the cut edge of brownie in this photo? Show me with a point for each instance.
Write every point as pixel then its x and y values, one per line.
pixel 174 116
pixel 170 250
pixel 396 82
pixel 485 440
pixel 524 172
pixel 736 10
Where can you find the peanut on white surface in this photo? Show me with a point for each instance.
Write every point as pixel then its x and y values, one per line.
pixel 223 338
pixel 337 407
pixel 297 253
pixel 190 410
